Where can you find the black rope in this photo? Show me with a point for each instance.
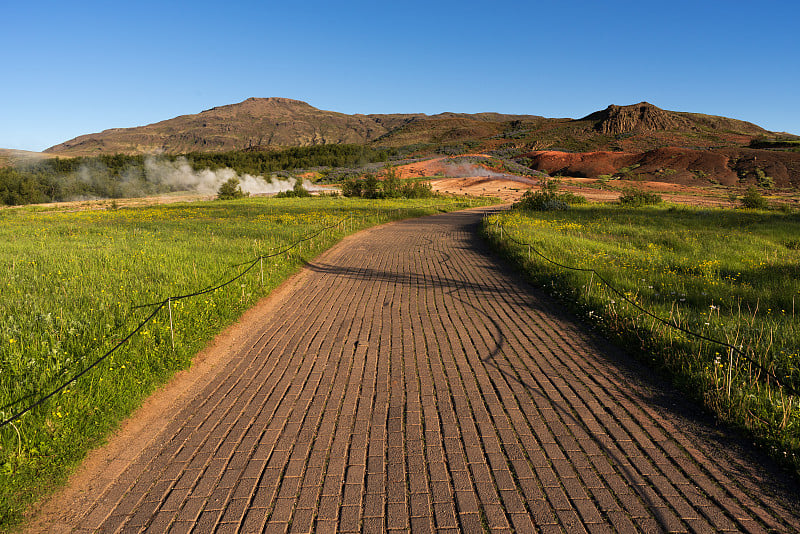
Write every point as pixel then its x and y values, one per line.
pixel 64 370
pixel 84 371
pixel 250 264
pixel 792 390
pixel 160 304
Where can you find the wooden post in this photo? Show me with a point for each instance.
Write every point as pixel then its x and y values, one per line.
pixel 171 330
pixel 730 371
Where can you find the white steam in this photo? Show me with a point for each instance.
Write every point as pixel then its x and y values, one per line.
pixel 180 175
pixel 469 170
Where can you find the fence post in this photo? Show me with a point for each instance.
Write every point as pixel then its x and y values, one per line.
pixel 730 371
pixel 171 330
pixel 261 259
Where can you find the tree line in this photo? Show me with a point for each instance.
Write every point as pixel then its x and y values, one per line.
pixel 120 176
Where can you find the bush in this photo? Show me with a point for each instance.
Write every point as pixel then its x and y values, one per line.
pixel 548 198
pixel 752 199
pixel 635 198
pixel 391 184
pixel 369 187
pixel 416 189
pixel 541 202
pixel 297 191
pixel 351 187
pixel 763 180
pixel 231 190
pixel 572 199
pixel 391 187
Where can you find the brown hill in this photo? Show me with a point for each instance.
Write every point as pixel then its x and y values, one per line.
pixel 645 117
pixel 12 157
pixel 272 123
pixel 642 117
pixel 269 123
pixel 256 122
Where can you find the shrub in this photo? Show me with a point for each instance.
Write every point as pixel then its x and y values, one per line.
pixel 547 199
pixel 230 190
pixel 417 189
pixel 572 199
pixel 351 187
pixel 392 187
pixel 636 197
pixel 297 191
pixel 763 180
pixel 370 187
pixel 391 184
pixel 752 199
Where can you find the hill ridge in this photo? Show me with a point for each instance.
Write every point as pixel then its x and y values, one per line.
pixel 279 122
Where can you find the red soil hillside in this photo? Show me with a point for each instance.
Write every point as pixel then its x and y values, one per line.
pixel 727 166
pixel 583 164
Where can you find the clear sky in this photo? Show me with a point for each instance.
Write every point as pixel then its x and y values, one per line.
pixel 71 68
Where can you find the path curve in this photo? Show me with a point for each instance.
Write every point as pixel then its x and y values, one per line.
pixel 407 380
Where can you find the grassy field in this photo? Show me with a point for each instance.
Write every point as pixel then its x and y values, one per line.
pixel 728 275
pixel 71 285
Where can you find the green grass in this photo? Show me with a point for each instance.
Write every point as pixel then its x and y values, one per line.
pixel 71 281
pixel 730 275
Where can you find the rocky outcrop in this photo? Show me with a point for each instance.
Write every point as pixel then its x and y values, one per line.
pixel 641 117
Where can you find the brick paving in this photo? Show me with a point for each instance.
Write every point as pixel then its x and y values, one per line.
pixel 414 383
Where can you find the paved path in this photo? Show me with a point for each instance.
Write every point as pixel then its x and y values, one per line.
pixel 412 382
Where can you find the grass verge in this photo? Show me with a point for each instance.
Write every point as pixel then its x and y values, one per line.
pixel 72 281
pixel 728 275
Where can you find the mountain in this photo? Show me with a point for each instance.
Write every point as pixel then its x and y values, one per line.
pixel 256 122
pixel 274 123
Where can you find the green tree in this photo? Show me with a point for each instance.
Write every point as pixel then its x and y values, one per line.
pixel 231 190
pixel 391 183
pixel 369 187
pixel 351 187
pixel 752 199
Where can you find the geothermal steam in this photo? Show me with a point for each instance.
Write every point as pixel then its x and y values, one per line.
pixel 179 175
pixel 469 170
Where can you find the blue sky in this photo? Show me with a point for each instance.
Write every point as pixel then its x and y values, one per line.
pixel 71 68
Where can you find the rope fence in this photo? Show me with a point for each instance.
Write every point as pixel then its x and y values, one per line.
pixel 159 305
pixel 790 388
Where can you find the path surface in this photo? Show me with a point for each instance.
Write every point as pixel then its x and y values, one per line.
pixel 409 381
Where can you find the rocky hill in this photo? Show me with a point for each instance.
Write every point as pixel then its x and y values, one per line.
pixel 273 123
pixel 645 117
pixel 256 122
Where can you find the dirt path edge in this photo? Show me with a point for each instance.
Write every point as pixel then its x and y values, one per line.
pixel 59 512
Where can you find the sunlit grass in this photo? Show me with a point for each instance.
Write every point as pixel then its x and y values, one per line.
pixel 69 290
pixel 730 275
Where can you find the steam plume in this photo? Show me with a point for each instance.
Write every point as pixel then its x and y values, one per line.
pixel 463 170
pixel 180 175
